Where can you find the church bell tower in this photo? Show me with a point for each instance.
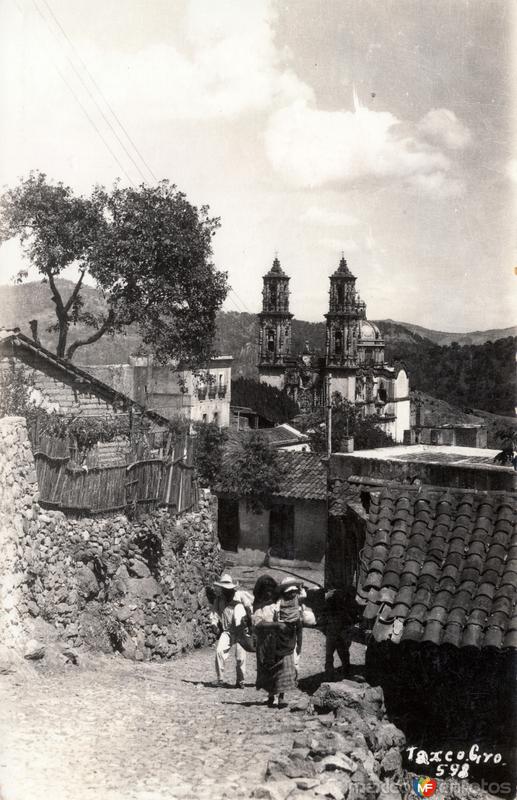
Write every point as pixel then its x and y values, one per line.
pixel 346 310
pixel 274 346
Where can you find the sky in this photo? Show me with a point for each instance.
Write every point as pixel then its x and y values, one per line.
pixel 384 129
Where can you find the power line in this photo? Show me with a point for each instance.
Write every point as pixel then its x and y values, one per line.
pixel 92 97
pixel 242 302
pixel 101 93
pixel 78 100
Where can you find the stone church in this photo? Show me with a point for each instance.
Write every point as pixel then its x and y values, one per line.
pixel 353 364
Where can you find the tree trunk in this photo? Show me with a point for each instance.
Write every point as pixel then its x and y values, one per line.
pixel 62 338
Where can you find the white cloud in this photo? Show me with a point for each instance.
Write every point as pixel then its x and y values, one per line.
pixel 443 126
pixel 437 184
pixel 312 148
pixel 316 215
pixel 230 66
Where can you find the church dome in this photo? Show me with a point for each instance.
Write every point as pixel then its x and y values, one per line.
pixel 368 331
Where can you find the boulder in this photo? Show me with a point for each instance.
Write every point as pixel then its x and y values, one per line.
pixel 139 568
pixel 338 761
pixel 87 583
pixel 333 789
pixel 145 588
pixel 387 736
pixel 34 650
pixel 391 763
pixel 361 697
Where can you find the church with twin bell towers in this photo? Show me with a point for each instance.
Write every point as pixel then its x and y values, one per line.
pixel 353 363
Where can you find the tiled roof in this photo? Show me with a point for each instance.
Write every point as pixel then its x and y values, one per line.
pixel 304 476
pixel 440 566
pixel 282 435
pixel 278 437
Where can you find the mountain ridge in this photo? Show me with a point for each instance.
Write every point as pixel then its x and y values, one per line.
pixel 467 374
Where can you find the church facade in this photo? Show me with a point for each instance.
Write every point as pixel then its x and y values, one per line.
pixel 353 364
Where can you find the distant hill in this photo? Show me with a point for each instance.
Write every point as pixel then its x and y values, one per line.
pixel 445 338
pixel 471 370
pixel 26 301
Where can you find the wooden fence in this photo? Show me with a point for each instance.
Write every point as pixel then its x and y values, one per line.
pixel 146 482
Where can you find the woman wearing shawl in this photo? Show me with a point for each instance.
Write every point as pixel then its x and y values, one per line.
pixel 278 631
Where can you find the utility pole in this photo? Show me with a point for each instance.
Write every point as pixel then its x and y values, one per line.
pixel 329 415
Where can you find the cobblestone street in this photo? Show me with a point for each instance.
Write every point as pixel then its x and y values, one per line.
pixel 127 731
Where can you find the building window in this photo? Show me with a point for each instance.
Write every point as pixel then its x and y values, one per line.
pixel 338 342
pixel 271 341
pixel 205 418
pixel 383 395
pixel 216 418
pixel 340 294
pixel 273 295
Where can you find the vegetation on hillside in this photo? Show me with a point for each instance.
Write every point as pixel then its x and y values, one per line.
pixel 268 402
pixel 469 376
pixel 478 376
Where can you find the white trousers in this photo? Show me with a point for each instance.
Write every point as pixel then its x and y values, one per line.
pixel 222 651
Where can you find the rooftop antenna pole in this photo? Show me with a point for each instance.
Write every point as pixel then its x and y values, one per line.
pixel 329 415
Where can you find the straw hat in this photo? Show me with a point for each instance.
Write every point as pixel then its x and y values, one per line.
pixel 289 585
pixel 225 582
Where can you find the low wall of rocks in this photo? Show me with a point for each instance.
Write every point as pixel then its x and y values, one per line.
pixel 110 583
pixel 346 748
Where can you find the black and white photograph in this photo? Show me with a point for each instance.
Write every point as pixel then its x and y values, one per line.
pixel 258 432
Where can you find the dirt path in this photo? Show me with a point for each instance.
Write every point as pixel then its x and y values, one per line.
pixel 126 731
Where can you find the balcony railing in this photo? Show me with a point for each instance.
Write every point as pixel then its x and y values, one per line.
pixel 212 392
pixel 221 391
pixel 201 392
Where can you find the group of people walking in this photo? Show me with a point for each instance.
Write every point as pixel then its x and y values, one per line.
pixel 269 623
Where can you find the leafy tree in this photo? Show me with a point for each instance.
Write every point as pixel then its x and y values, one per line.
pixel 148 250
pixel 250 471
pixel 346 421
pixel 209 451
pixel 270 403
pixel 15 388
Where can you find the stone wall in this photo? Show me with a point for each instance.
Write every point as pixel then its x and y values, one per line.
pixel 107 583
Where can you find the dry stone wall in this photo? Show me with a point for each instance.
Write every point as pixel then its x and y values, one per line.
pixel 136 586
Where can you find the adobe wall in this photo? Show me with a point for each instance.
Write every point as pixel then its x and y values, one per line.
pixel 310 529
pixel 106 583
pixel 310 521
pixel 481 478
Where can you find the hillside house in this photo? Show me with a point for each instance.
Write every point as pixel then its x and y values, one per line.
pixel 436 422
pixel 198 397
pixel 295 526
pixel 59 386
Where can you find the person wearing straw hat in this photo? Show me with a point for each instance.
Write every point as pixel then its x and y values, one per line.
pixel 229 617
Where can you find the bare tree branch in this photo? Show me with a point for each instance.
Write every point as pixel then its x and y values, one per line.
pixel 106 325
pixel 69 303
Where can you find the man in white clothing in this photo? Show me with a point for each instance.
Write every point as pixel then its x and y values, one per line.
pixel 229 617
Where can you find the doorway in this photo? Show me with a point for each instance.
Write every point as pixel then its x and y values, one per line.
pixel 281 531
pixel 228 524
